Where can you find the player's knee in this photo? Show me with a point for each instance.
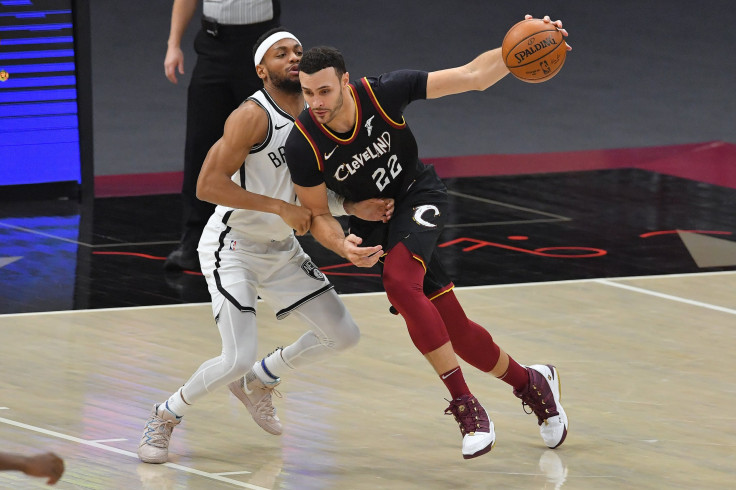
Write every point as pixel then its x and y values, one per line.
pixel 240 363
pixel 401 293
pixel 348 337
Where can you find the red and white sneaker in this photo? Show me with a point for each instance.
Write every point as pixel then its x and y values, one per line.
pixel 475 426
pixel 542 396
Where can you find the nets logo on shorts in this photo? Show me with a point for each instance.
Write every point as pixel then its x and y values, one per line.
pixel 312 270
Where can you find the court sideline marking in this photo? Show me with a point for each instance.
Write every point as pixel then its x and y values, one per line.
pixel 128 453
pixel 375 293
pixel 667 296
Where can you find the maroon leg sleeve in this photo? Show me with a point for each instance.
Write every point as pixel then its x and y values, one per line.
pixel 471 342
pixel 403 277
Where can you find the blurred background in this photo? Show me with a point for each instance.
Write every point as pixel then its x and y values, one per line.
pixel 640 74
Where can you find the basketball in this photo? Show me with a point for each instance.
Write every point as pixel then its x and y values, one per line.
pixel 534 50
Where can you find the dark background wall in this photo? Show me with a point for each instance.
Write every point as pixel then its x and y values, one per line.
pixel 641 73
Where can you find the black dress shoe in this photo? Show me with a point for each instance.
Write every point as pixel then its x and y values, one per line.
pixel 182 259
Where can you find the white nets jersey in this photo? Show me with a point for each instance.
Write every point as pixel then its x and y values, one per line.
pixel 264 172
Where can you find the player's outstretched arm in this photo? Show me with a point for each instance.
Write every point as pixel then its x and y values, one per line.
pixel 479 74
pixel 327 230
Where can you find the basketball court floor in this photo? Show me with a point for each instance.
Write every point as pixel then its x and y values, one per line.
pixel 618 267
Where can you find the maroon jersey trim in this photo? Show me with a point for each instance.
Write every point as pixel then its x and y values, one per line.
pixel 315 150
pixel 378 107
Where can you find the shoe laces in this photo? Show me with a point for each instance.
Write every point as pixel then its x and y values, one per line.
pixel 264 407
pixel 158 431
pixel 469 415
pixel 538 397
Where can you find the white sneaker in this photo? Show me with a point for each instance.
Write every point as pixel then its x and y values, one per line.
pixel 154 445
pixel 256 397
pixel 542 395
pixel 475 426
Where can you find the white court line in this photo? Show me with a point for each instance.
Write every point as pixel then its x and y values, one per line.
pixel 83 244
pixel 179 467
pixel 41 233
pixel 234 473
pixel 507 205
pixel 376 293
pixel 667 296
pixel 109 440
pixel 498 223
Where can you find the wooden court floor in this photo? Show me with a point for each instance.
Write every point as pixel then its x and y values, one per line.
pixel 646 366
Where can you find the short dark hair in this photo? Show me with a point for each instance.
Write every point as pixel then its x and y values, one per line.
pixel 321 57
pixel 263 37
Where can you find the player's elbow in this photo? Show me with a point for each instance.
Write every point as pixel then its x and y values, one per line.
pixel 205 189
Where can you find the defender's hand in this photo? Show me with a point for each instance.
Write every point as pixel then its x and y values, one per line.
pixel 376 209
pixel 297 217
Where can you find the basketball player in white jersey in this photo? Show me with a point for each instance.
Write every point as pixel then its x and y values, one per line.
pixel 248 249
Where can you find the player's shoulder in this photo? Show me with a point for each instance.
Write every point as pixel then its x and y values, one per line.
pixel 248 123
pixel 397 86
pixel 248 113
pixel 304 126
pixel 396 77
pixel 304 117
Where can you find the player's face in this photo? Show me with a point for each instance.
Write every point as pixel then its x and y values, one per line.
pixel 282 65
pixel 323 91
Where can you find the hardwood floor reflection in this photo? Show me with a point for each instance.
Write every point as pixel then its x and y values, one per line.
pixel 644 364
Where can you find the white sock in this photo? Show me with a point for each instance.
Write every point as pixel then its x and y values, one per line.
pixel 270 369
pixel 176 404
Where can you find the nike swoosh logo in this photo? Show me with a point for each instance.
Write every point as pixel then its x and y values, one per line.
pixel 328 155
pixel 445 376
pixel 281 127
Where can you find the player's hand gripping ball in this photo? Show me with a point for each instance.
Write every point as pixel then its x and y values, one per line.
pixel 534 50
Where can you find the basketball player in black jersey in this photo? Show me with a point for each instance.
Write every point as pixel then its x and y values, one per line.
pixel 354 140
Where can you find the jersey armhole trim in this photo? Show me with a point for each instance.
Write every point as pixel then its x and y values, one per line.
pixel 315 150
pixel 378 107
pixel 269 135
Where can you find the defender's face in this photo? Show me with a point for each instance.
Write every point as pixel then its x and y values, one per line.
pixel 281 63
pixel 323 91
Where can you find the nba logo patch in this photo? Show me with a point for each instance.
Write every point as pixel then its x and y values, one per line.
pixel 312 270
pixel 232 244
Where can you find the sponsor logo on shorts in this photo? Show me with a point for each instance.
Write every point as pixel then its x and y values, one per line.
pixel 312 270
pixel 421 210
pixel 232 244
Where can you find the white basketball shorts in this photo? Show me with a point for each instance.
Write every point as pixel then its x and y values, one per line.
pixel 239 269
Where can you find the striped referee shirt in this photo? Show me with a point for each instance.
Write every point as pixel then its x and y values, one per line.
pixel 239 11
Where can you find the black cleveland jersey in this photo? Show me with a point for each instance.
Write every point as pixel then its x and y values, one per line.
pixel 378 158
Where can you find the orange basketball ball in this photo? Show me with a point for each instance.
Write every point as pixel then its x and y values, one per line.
pixel 534 50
